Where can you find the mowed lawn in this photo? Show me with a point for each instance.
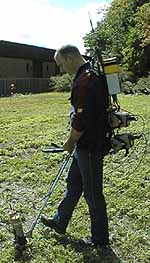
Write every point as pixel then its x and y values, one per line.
pixel 29 123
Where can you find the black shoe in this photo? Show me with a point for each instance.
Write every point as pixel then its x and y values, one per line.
pixel 90 243
pixel 52 224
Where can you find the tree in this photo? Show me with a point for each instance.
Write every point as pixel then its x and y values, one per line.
pixel 137 50
pixel 124 32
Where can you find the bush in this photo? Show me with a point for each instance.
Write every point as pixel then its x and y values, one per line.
pixel 127 87
pixel 142 86
pixel 61 83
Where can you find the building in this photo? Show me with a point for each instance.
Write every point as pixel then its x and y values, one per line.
pixel 25 68
pixel 26 61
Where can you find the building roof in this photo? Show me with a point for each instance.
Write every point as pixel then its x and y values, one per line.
pixel 17 50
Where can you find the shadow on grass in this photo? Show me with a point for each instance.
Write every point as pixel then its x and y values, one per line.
pixel 23 256
pixel 94 255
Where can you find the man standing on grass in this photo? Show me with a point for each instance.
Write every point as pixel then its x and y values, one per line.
pixel 89 137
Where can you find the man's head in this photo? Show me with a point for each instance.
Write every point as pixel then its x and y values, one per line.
pixel 69 59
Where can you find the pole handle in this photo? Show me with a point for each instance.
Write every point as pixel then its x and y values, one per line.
pixel 53 150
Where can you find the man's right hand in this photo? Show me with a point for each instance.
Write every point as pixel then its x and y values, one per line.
pixel 72 140
pixel 69 146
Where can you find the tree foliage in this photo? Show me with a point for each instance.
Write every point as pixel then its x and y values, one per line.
pixel 124 32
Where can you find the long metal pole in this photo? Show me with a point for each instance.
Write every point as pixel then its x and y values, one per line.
pixel 52 186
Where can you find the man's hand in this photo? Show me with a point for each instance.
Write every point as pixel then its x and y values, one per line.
pixel 69 146
pixel 72 140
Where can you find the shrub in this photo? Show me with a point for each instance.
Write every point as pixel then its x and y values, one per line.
pixel 127 87
pixel 61 83
pixel 143 86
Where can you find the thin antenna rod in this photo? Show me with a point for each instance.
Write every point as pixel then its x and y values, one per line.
pixel 98 54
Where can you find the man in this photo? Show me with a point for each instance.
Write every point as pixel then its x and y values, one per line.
pixel 88 136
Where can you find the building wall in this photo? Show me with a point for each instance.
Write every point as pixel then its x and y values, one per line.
pixel 15 68
pixel 26 68
pixel 49 69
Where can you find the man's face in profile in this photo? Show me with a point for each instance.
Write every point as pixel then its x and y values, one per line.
pixel 64 63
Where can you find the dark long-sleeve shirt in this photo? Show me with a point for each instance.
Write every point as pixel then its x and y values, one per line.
pixel 90 100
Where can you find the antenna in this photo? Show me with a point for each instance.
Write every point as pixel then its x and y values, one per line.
pixel 97 52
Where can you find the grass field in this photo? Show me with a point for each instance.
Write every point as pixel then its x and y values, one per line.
pixel 30 123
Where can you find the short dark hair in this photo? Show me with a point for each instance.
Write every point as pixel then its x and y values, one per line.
pixel 68 49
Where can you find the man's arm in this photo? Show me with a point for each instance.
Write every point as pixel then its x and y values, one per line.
pixel 72 140
pixel 78 118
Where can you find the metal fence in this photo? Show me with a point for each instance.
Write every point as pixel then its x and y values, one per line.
pixel 9 87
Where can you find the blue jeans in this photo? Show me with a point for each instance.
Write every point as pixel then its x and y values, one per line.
pixel 86 176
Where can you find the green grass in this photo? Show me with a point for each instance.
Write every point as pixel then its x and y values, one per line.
pixel 32 122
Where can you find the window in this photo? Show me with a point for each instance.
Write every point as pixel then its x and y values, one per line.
pixel 27 67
